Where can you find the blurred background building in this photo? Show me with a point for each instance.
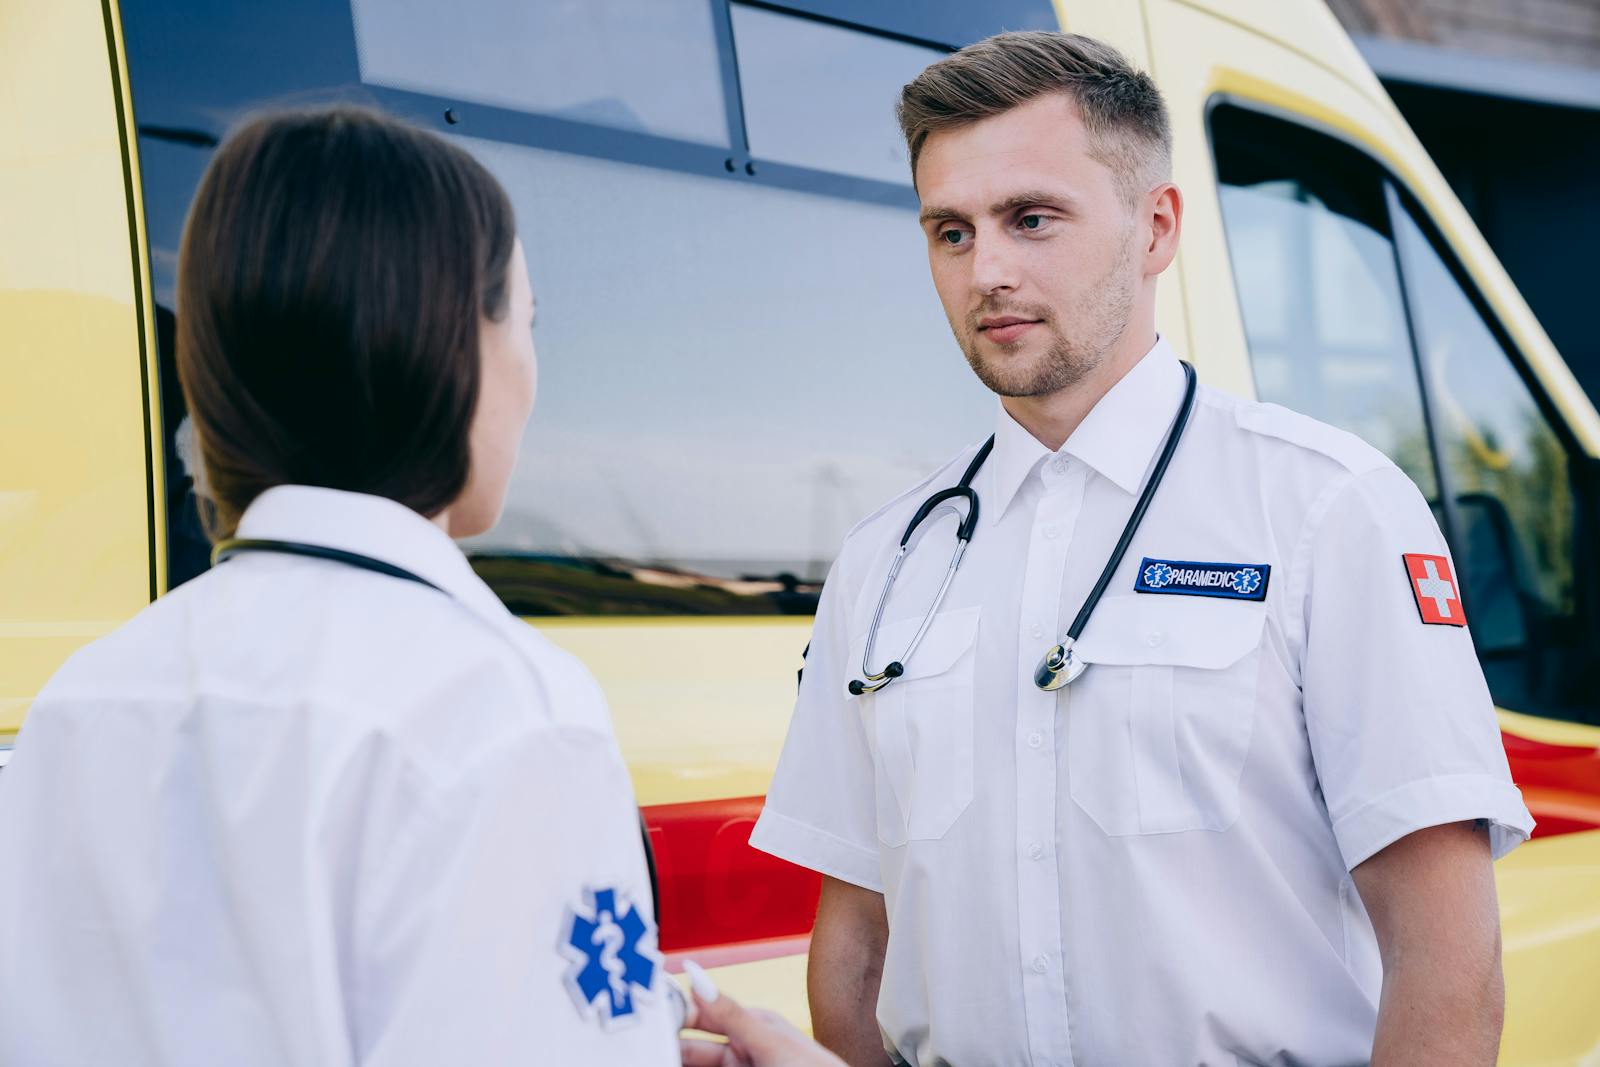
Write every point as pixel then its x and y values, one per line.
pixel 1505 95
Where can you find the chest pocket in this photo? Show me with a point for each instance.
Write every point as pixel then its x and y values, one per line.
pixel 920 726
pixel 1159 726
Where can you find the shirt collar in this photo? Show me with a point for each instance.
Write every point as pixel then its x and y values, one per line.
pixel 371 526
pixel 1117 439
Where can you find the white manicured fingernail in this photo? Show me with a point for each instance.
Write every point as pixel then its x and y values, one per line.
pixel 700 982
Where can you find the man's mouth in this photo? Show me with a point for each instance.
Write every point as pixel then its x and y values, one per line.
pixel 1004 329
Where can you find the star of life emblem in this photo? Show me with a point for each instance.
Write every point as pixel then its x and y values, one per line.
pixel 614 961
pixel 1434 586
pixel 1158 575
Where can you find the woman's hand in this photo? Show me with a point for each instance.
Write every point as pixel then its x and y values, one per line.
pixel 756 1037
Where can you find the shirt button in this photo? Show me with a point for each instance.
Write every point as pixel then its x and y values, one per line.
pixel 1052 531
pixel 1155 638
pixel 1059 465
pixel 1036 851
pixel 1035 739
pixel 1040 965
pixel 1036 630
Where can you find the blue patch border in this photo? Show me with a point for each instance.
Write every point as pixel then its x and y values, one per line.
pixel 644 947
pixel 1222 592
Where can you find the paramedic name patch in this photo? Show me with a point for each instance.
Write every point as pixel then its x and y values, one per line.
pixel 614 963
pixel 1232 581
pixel 1434 586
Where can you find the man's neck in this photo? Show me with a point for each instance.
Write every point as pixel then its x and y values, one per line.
pixel 1053 417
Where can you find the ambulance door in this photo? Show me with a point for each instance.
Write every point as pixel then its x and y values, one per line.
pixel 1329 268
pixel 78 539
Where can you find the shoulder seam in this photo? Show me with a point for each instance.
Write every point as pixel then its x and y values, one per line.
pixel 1345 458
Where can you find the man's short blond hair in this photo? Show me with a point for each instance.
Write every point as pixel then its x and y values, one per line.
pixel 1120 106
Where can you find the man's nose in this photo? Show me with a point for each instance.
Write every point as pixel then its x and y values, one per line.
pixel 994 264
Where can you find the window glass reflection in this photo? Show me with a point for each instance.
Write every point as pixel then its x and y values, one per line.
pixel 1517 510
pixel 1318 285
pixel 822 96
pixel 730 377
pixel 645 65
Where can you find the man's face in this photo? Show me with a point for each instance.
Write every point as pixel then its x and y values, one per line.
pixel 1030 245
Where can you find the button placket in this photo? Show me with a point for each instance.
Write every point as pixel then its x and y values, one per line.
pixel 1039 924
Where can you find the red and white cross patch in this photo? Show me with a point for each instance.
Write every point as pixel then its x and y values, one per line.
pixel 1438 598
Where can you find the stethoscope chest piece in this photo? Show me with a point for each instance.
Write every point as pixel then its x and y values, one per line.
pixel 1059 668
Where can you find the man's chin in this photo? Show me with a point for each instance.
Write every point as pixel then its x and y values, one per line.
pixel 1009 382
pixel 1021 374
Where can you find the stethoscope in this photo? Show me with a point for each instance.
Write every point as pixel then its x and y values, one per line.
pixel 1060 666
pixel 226 550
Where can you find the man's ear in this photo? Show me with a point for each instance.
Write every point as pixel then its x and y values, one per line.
pixel 1164 215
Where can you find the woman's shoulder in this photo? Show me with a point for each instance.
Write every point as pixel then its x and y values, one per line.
pixel 360 657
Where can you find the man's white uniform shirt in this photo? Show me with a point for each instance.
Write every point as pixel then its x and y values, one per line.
pixel 1150 866
pixel 299 813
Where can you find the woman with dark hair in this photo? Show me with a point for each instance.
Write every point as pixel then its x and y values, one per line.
pixel 330 803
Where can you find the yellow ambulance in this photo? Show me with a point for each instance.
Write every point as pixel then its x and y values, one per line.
pixel 743 355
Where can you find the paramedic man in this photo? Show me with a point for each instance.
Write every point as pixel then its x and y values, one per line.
pixel 1260 827
pixel 298 812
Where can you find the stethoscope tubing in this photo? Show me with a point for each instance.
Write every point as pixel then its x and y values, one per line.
pixel 876 680
pixel 226 550
pixel 1058 667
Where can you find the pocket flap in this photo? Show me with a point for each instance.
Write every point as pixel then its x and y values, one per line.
pixel 951 633
pixel 1132 631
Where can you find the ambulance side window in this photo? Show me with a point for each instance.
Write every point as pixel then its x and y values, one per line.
pixel 740 352
pixel 1356 315
pixel 822 96
pixel 1319 285
pixel 1520 496
pixel 648 66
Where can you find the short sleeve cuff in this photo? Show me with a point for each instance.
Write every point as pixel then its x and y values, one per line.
pixel 781 836
pixel 1435 802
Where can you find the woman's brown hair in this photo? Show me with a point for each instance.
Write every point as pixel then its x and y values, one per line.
pixel 334 269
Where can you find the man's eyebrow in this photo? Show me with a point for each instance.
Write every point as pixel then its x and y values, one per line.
pixel 939 214
pixel 1031 198
pixel 1028 198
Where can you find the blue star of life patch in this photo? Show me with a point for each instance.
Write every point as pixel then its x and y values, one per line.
pixel 614 961
pixel 1232 581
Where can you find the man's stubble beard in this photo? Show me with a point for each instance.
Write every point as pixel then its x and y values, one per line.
pixel 1068 360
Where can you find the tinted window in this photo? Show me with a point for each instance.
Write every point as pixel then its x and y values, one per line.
pixel 730 358
pixel 645 65
pixel 1518 500
pixel 823 96
pixel 1320 241
pixel 730 377
pixel 1318 284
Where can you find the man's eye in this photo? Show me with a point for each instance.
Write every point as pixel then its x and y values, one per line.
pixel 952 237
pixel 1032 222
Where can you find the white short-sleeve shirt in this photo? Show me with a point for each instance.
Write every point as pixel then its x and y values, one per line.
pixel 298 813
pixel 1152 865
